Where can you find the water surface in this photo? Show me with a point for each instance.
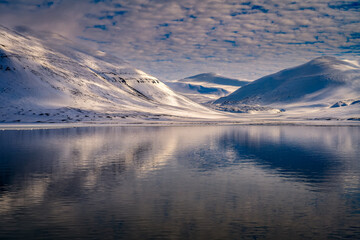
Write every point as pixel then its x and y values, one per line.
pixel 230 182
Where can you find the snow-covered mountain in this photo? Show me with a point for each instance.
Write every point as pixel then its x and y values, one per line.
pixel 321 82
pixel 45 77
pixel 206 87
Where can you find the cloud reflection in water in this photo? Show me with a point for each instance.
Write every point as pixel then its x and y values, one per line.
pixel 180 182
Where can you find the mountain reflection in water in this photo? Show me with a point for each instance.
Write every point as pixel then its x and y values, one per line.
pixel 219 182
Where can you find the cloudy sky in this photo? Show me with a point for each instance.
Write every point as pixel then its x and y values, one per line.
pixel 172 39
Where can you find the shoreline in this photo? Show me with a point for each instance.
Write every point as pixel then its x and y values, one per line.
pixel 249 122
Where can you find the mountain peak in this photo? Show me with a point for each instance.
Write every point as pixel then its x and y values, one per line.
pixel 215 78
pixel 318 80
pixel 203 75
pixel 330 62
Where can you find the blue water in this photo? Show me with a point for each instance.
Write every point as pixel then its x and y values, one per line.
pixel 218 182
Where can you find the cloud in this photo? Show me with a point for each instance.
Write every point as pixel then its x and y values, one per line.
pixel 172 39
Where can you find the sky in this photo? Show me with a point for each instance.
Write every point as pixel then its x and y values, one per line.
pixel 173 39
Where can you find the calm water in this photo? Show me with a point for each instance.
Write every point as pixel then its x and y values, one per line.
pixel 231 182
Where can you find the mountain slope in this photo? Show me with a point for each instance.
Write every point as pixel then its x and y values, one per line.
pixel 206 86
pixel 44 77
pixel 322 81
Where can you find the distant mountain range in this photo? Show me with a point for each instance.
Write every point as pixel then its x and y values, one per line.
pixel 46 78
pixel 206 87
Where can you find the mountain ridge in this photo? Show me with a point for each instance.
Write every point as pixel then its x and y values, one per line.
pixel 38 77
pixel 214 78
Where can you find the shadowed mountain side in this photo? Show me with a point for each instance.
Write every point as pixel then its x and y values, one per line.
pixel 193 88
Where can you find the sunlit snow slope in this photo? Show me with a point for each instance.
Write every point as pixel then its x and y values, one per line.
pixel 45 77
pixel 321 82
